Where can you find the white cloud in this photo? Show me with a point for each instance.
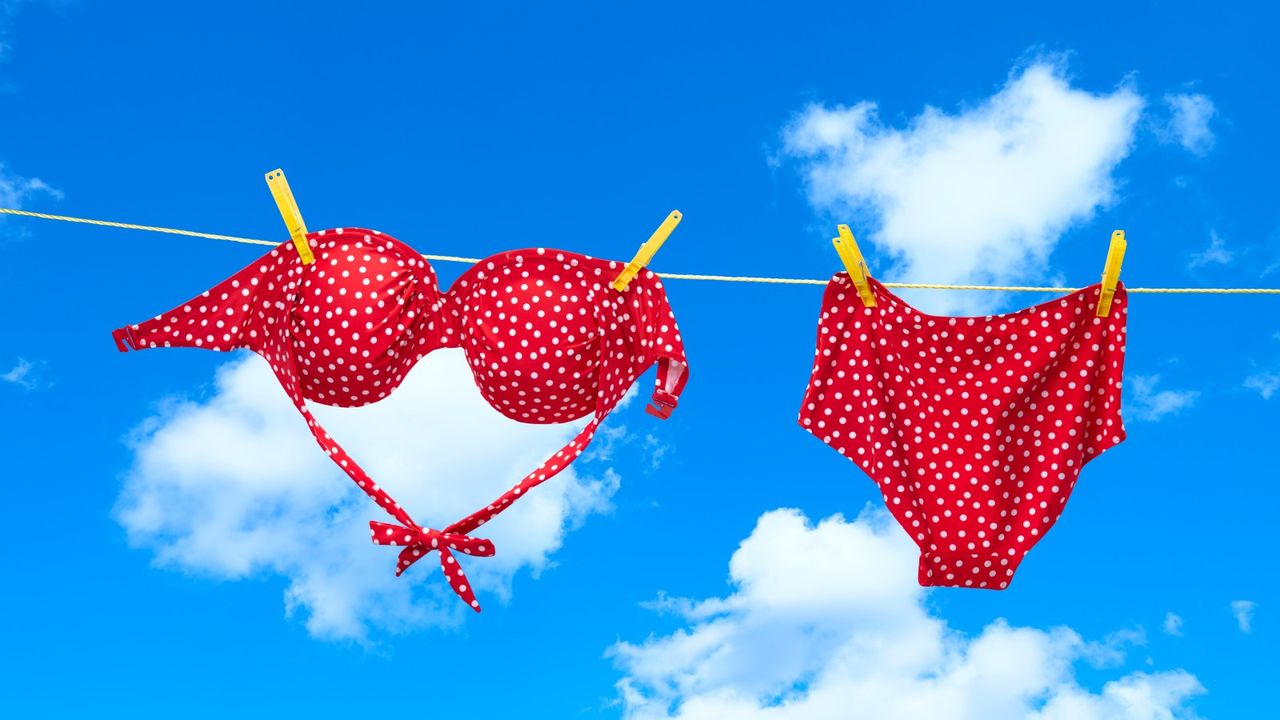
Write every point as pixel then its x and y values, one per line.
pixel 1189 117
pixel 982 195
pixel 235 487
pixel 827 621
pixel 16 190
pixel 656 450
pixel 1265 383
pixel 1173 624
pixel 1216 254
pixel 1243 610
pixel 1111 651
pixel 21 374
pixel 1144 402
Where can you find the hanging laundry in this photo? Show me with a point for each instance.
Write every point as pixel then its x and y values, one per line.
pixel 974 428
pixel 547 338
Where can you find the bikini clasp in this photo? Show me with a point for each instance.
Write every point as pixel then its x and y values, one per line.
pixel 662 405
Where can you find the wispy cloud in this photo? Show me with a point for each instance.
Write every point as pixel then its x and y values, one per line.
pixel 16 190
pixel 980 195
pixel 801 638
pixel 1145 402
pixel 1216 254
pixel 25 374
pixel 656 450
pixel 18 375
pixel 1264 383
pixel 234 487
pixel 610 440
pixel 1173 624
pixel 1243 610
pixel 1112 650
pixel 1188 124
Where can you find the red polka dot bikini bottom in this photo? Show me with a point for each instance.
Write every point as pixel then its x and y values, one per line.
pixel 547 338
pixel 974 428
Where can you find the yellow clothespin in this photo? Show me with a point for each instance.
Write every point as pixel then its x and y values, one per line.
pixel 847 247
pixel 647 251
pixel 1111 272
pixel 289 211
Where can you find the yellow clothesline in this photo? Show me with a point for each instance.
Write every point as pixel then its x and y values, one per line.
pixel 673 276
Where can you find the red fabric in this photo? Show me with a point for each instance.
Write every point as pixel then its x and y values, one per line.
pixel 975 429
pixel 547 338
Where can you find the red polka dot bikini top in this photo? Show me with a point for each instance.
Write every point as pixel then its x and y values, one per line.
pixel 547 338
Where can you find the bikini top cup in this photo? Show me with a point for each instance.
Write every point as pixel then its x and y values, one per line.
pixel 547 338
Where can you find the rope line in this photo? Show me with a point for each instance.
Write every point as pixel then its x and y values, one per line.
pixel 672 276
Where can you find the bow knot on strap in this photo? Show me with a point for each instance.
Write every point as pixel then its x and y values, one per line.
pixel 419 541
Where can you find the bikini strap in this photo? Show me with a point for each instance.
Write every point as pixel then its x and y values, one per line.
pixel 418 541
pixel 669 383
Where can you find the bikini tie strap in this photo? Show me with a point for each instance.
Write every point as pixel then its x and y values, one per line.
pixel 419 541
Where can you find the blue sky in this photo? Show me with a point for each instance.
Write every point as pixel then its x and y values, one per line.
pixel 173 538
